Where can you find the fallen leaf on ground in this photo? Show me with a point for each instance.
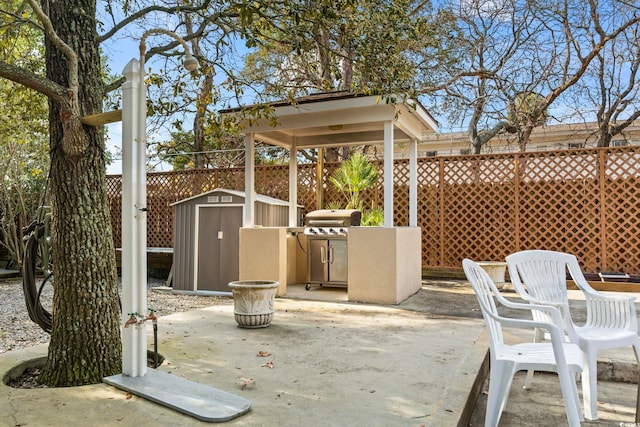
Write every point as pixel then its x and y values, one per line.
pixel 263 353
pixel 246 382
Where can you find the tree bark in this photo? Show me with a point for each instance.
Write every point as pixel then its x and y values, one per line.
pixel 203 98
pixel 85 339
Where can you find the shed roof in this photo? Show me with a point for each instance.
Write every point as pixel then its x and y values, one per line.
pixel 259 197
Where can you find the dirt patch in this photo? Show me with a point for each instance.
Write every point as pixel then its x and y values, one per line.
pixel 26 375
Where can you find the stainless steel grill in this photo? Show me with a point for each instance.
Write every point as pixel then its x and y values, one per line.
pixel 326 232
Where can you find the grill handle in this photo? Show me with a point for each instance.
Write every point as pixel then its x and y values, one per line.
pixel 323 255
pixel 331 255
pixel 325 222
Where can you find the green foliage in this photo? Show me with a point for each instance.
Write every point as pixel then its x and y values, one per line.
pixel 24 155
pixel 525 110
pixel 373 216
pixel 333 206
pixel 355 45
pixel 354 176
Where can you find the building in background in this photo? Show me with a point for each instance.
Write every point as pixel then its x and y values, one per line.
pixel 546 138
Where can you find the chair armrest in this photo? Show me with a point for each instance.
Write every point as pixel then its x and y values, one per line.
pixel 559 313
pixel 585 287
pixel 535 304
pixel 594 295
pixel 554 328
pixel 526 323
pixel 553 311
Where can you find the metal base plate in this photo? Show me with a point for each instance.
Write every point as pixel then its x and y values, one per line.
pixel 197 400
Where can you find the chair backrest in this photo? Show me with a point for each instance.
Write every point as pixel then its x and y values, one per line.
pixel 485 290
pixel 540 274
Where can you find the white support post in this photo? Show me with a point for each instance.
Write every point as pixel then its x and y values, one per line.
pixel 249 181
pixel 293 185
pixel 388 174
pixel 413 183
pixel 134 337
pixel 141 205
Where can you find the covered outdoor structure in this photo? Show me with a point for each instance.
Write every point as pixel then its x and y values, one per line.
pixel 384 263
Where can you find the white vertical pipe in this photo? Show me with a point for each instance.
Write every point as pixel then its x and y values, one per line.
pixel 249 181
pixel 130 132
pixel 388 174
pixel 413 183
pixel 141 204
pixel 293 185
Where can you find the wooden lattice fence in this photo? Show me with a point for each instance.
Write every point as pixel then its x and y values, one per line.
pixel 484 207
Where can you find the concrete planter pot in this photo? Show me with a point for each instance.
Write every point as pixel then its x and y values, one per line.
pixel 254 302
pixel 495 270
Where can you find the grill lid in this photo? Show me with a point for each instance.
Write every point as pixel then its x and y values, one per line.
pixel 333 218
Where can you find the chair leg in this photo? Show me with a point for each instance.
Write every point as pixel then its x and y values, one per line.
pixel 500 378
pixel 576 396
pixel 589 385
pixel 636 350
pixel 537 337
pixel 527 381
pixel 637 420
pixel 570 396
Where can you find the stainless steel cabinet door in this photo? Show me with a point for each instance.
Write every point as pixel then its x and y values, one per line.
pixel 318 266
pixel 338 260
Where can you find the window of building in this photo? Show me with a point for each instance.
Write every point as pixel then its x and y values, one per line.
pixel 576 145
pixel 430 153
pixel 619 143
pixel 465 151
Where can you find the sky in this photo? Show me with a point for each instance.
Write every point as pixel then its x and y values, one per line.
pixel 118 56
pixel 114 145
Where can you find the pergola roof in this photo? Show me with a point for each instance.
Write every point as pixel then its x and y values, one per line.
pixel 338 119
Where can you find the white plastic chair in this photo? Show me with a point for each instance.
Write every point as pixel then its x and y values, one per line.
pixel 557 356
pixel 540 277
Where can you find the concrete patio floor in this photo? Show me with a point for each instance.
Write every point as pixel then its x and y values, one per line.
pixel 324 363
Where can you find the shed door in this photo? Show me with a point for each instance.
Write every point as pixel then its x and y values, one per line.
pixel 218 245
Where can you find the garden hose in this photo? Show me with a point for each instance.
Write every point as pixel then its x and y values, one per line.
pixel 32 293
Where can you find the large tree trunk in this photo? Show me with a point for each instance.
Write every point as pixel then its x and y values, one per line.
pixel 85 339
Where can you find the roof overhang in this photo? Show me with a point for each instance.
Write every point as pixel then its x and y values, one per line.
pixel 329 120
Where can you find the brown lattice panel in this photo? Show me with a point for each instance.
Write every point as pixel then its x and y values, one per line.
pixel 484 207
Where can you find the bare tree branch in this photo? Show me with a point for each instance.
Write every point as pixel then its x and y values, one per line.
pixel 70 54
pixel 148 10
pixel 33 81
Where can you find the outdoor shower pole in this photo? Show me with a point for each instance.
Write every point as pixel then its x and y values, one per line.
pixel 130 224
pixel 134 206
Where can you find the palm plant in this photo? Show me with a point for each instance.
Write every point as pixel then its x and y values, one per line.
pixel 355 175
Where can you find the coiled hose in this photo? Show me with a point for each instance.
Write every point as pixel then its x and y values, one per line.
pixel 37 313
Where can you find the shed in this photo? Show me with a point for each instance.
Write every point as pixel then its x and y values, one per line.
pixel 206 237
